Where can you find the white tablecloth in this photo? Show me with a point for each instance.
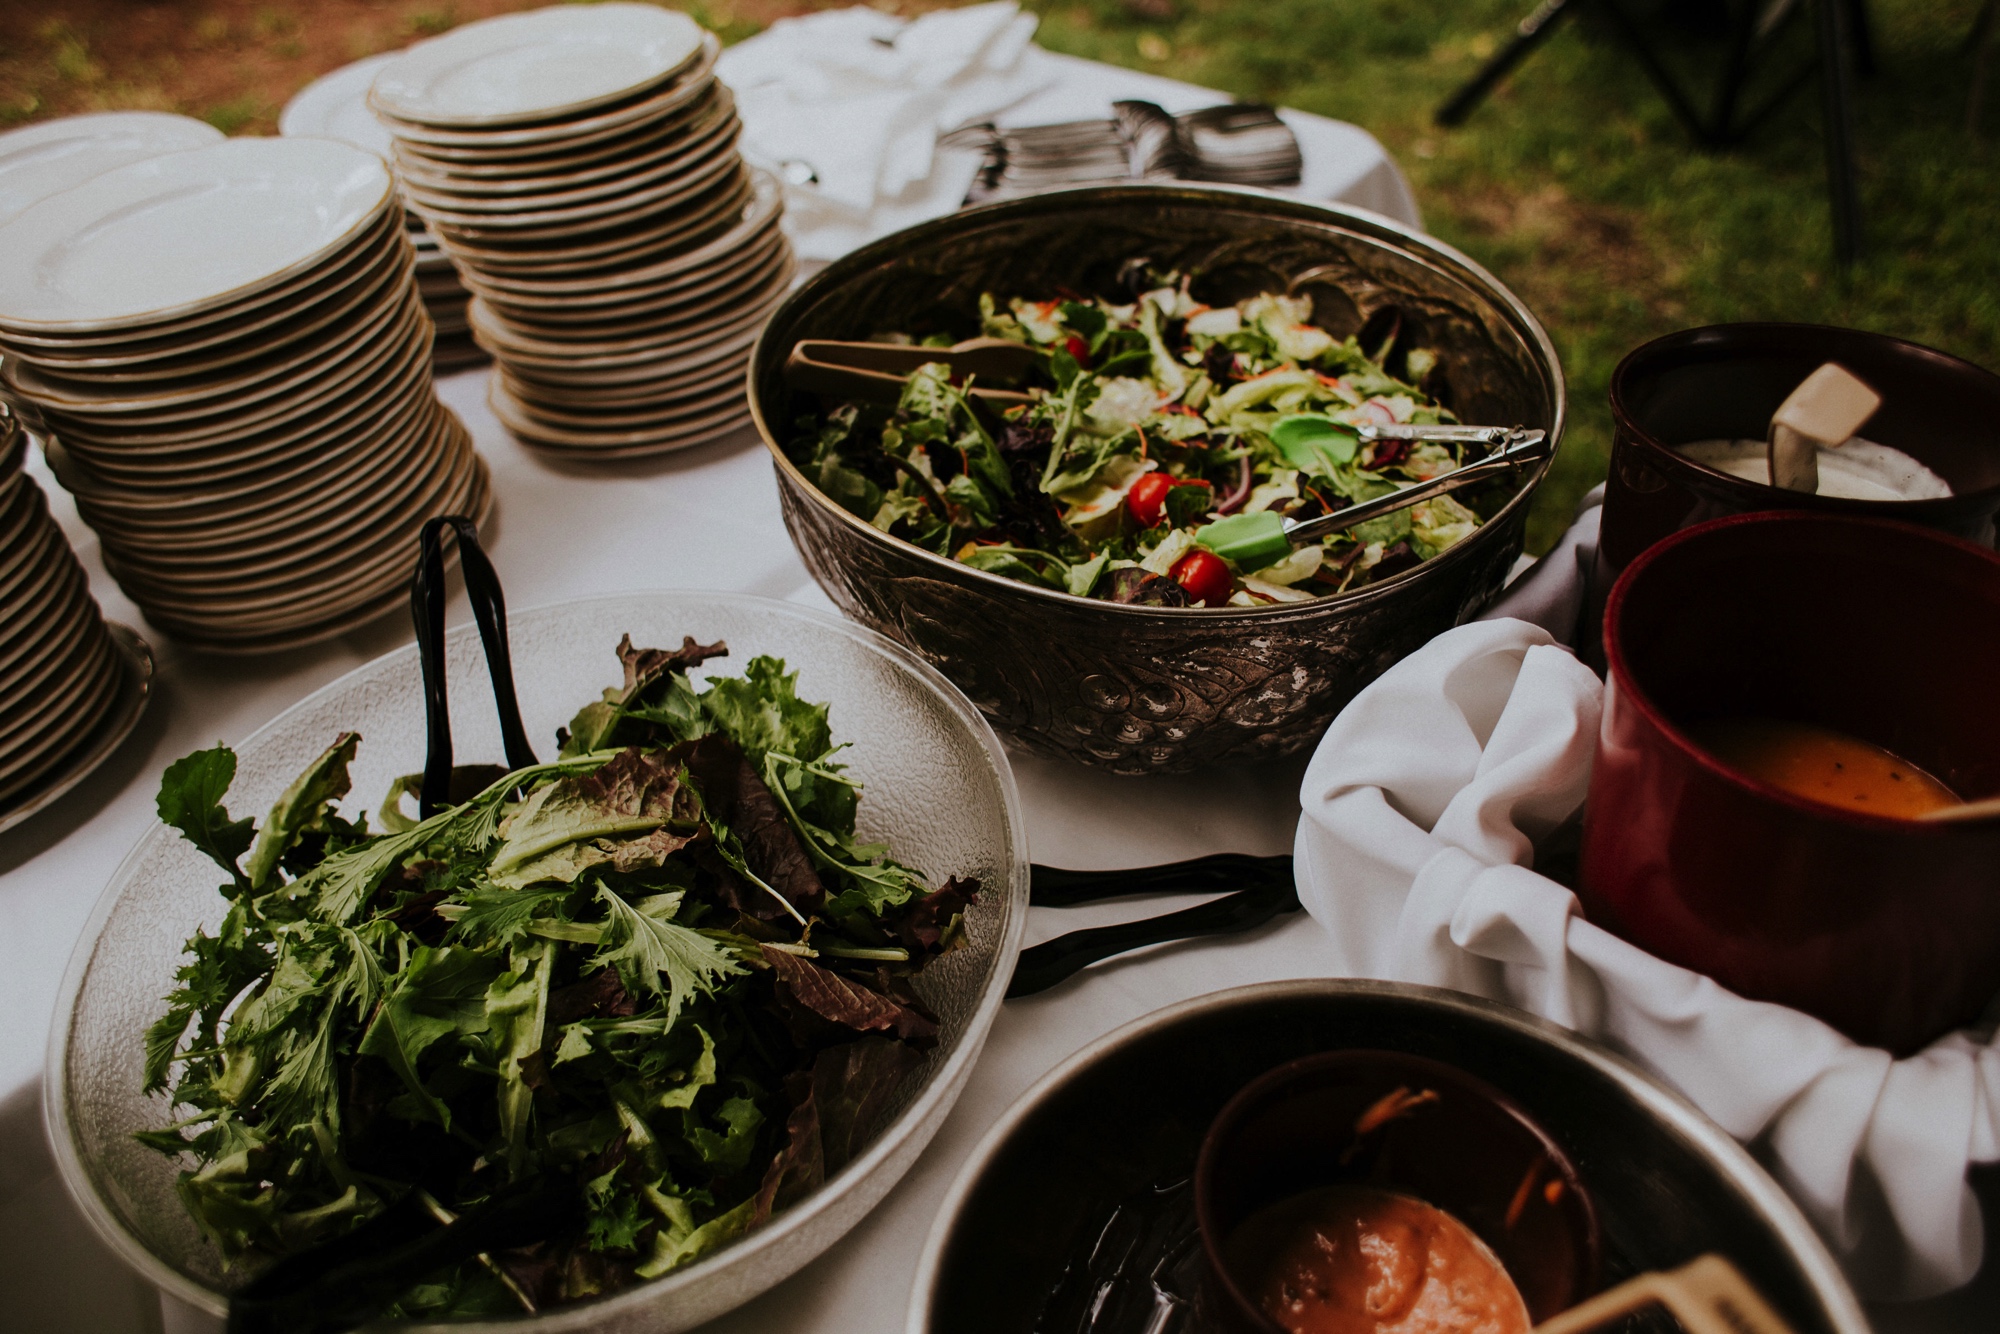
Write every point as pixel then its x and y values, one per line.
pixel 707 518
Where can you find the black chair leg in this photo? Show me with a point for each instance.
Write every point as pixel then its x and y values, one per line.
pixel 1663 79
pixel 1861 37
pixel 1978 42
pixel 1529 33
pixel 1837 112
pixel 1736 67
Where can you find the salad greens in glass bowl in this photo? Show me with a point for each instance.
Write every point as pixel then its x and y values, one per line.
pixel 613 1042
pixel 1164 441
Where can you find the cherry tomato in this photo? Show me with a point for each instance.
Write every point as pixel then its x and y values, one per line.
pixel 1147 500
pixel 1148 497
pixel 1078 349
pixel 1205 577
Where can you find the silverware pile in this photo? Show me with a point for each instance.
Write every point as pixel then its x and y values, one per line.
pixel 1238 144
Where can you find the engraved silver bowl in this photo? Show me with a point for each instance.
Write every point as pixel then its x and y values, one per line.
pixel 936 786
pixel 1152 689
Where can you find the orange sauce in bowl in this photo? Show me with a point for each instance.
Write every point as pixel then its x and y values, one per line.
pixel 1823 765
pixel 1354 1260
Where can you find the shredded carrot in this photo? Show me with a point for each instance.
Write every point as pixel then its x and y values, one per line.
pixel 1520 1200
pixel 1392 1106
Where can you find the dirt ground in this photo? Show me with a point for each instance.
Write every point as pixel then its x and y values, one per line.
pixel 232 62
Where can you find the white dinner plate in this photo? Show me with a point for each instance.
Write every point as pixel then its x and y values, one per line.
pixel 219 320
pixel 604 124
pixel 689 187
pixel 757 210
pixel 600 255
pixel 176 234
pixel 537 65
pixel 57 155
pixel 426 165
pixel 335 106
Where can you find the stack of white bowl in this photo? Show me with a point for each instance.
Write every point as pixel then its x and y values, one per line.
pixel 60 670
pixel 230 366
pixel 579 165
pixel 336 107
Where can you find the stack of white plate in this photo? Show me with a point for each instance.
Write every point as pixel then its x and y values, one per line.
pixel 336 107
pixel 231 369
pixel 40 160
pixel 579 165
pixel 61 672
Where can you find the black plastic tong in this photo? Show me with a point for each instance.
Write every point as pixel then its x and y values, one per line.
pixel 1263 889
pixel 1260 887
pixel 489 609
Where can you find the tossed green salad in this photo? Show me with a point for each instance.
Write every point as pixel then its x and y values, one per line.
pixel 1152 440
pixel 657 979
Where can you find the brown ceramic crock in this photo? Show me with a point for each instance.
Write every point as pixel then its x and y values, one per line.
pixel 1725 381
pixel 1461 1145
pixel 1888 929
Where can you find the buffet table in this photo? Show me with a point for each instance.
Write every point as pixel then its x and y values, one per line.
pixel 706 518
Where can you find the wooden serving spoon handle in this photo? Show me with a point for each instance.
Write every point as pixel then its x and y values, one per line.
pixel 875 372
pixel 1971 810
pixel 1708 1295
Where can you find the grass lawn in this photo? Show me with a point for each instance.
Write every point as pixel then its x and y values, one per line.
pixel 1572 183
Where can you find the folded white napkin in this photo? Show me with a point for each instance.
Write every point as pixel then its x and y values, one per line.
pixel 1421 809
pixel 846 106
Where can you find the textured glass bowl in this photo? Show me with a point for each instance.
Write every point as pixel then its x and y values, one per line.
pixel 936 786
pixel 1160 689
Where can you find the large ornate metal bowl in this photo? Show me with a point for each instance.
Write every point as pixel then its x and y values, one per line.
pixel 1151 689
pixel 916 746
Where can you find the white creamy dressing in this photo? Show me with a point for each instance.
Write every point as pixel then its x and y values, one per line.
pixel 1857 470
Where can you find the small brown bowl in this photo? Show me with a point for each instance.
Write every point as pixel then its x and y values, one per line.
pixel 1409 1125
pixel 1725 381
pixel 1886 928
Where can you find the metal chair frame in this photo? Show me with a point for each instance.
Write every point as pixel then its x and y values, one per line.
pixel 1842 45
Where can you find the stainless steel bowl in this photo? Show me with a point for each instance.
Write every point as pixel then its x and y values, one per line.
pixel 1149 689
pixel 916 747
pixel 1124 1114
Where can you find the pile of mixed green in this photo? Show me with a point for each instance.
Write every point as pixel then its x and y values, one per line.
pixel 1152 438
pixel 658 981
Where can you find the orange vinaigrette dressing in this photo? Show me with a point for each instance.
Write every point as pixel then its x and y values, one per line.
pixel 1354 1260
pixel 1823 765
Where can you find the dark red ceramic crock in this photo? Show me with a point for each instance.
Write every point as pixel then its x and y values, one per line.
pixel 1724 382
pixel 1463 1147
pixel 1888 929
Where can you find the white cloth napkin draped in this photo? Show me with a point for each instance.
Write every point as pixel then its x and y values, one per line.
pixel 1422 807
pixel 846 106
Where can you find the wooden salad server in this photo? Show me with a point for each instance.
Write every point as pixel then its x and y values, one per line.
pixel 1971 810
pixel 875 372
pixel 1707 1295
